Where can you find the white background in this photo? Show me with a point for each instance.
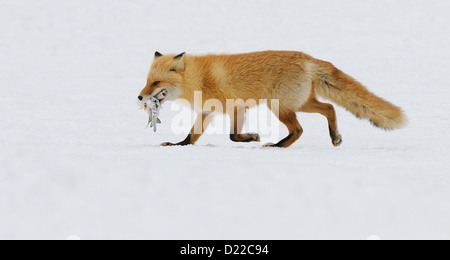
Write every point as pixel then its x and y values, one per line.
pixel 76 159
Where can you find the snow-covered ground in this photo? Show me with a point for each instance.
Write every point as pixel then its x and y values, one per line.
pixel 76 158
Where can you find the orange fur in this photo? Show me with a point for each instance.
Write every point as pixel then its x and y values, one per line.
pixel 339 87
pixel 291 77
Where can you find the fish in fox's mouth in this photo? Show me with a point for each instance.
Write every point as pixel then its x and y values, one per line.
pixel 153 107
pixel 160 96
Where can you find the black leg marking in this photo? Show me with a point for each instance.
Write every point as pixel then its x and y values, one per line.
pixel 186 141
pixel 336 139
pixel 280 143
pixel 285 140
pixel 332 133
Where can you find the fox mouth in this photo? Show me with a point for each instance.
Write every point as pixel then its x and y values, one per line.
pixel 161 96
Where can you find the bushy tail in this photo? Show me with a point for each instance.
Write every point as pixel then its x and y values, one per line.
pixel 347 92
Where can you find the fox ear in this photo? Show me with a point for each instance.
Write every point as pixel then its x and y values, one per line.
pixel 179 64
pixel 157 54
pixel 180 56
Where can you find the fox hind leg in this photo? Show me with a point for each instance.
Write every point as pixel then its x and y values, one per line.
pixel 327 110
pixel 295 130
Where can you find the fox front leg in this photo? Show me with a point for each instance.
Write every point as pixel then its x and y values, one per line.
pixel 237 119
pixel 201 123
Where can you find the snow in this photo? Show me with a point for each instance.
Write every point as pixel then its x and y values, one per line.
pixel 77 161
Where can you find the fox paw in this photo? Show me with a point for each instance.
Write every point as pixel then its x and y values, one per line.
pixel 184 143
pixel 253 137
pixel 245 138
pixel 270 145
pixel 337 141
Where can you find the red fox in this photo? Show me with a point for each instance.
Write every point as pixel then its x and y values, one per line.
pixel 294 78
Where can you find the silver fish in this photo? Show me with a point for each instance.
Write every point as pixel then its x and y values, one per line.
pixel 153 108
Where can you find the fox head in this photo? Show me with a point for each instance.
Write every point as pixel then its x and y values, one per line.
pixel 165 78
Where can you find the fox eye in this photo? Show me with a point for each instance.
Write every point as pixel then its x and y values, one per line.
pixel 156 83
pixel 173 70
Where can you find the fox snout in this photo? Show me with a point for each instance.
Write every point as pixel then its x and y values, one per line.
pixel 140 98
